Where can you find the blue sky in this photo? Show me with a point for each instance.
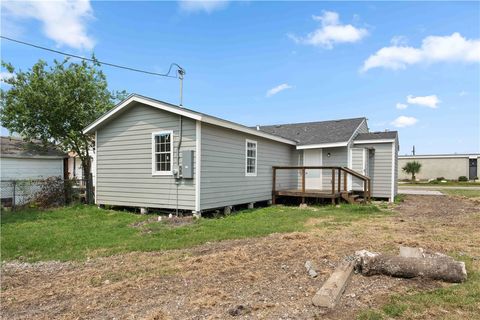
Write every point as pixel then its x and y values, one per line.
pixel 412 67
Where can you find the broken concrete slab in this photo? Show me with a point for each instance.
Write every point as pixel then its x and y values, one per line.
pixel 331 291
pixel 311 269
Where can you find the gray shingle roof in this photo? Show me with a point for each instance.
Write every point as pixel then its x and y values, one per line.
pixel 17 148
pixel 377 135
pixel 320 132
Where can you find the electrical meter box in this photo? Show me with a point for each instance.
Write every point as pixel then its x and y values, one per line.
pixel 187 164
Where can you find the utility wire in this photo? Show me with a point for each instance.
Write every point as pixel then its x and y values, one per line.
pixel 181 71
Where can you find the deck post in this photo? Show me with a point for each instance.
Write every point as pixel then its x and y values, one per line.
pixel 365 189
pixel 303 183
pixel 369 190
pixel 303 179
pixel 274 183
pixel 339 180
pixel 344 180
pixel 333 181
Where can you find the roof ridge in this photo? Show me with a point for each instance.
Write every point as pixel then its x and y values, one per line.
pixel 311 122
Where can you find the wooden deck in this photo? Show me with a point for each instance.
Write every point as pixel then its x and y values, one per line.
pixel 308 193
pixel 338 189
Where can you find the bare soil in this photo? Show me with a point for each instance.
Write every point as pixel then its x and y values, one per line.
pixel 260 278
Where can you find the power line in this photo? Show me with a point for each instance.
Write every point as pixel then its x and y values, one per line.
pixel 181 71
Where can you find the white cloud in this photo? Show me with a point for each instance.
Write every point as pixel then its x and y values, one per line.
pixel 64 21
pixel 401 106
pixel 202 5
pixel 462 93
pixel 277 89
pixel 404 121
pixel 331 32
pixel 434 49
pixel 427 101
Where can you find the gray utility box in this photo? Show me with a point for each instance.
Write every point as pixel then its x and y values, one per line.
pixel 187 164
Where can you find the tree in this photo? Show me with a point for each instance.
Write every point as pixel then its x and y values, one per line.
pixel 413 168
pixel 54 104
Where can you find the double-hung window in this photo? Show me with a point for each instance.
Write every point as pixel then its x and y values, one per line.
pixel 251 158
pixel 162 149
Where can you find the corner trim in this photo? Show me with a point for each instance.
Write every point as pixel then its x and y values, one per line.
pixel 198 164
pixel 96 166
pixel 392 191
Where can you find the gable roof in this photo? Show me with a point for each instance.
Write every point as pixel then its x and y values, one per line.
pixel 377 136
pixel 326 133
pixel 12 147
pixel 183 112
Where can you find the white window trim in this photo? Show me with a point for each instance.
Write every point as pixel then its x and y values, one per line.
pixel 247 174
pixel 162 173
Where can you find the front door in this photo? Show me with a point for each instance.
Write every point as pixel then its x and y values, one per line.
pixel 313 177
pixel 473 169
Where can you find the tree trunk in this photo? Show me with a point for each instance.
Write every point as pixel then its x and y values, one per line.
pixel 86 167
pixel 438 268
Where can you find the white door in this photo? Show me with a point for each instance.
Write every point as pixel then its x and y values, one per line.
pixel 313 177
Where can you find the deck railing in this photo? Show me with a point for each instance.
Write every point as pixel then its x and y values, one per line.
pixel 336 189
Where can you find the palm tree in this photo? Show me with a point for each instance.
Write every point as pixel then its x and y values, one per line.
pixel 412 168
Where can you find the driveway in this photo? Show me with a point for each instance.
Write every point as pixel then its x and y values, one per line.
pixel 436 187
pixel 419 191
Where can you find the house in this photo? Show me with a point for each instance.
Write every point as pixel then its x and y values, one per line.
pixel 447 166
pixel 152 154
pixel 22 160
pixel 21 163
pixel 75 169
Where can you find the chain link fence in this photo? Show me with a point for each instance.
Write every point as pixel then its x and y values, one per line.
pixel 48 192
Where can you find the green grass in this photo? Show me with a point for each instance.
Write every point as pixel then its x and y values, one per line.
pixel 464 298
pixel 463 193
pixel 79 232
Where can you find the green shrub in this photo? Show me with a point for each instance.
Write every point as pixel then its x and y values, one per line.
pixel 440 178
pixel 462 178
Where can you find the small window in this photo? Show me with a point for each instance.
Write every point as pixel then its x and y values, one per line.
pixel 251 158
pixel 162 153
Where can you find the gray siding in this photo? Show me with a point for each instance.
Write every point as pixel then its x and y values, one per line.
pixel 124 160
pixel 380 169
pixel 363 128
pixel 223 180
pixel 357 165
pixel 338 157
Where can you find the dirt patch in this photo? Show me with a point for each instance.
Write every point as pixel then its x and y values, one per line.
pixel 261 278
pixel 170 221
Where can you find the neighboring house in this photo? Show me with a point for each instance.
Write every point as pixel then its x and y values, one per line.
pixel 74 166
pixel 141 161
pixel 21 160
pixel 448 166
